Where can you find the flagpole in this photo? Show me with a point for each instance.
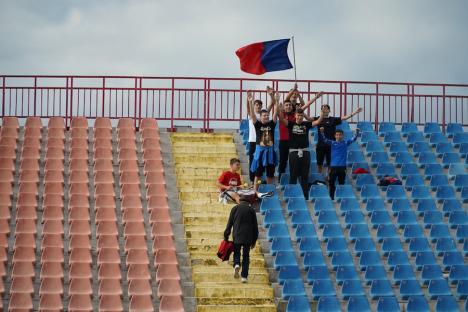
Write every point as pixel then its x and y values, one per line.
pixel 294 59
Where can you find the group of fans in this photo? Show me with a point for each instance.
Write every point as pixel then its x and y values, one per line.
pixel 293 147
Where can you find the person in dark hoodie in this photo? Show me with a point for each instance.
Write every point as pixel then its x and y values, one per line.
pixel 243 222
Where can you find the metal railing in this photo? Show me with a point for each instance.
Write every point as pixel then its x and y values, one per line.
pixel 207 103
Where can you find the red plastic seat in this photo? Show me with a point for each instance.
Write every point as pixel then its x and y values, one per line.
pixel 80 303
pixel 29 165
pixel 56 123
pixel 52 200
pixel 110 303
pixel 79 241
pixel 103 177
pixel 52 240
pixel 163 242
pixel 129 178
pixel 102 122
pixel 55 188
pixel 125 123
pixel 7 163
pixel 24 240
pixel 129 144
pixel 80 270
pixel 79 188
pixel 132 215
pixel 169 287
pixel 25 226
pixel 152 154
pixel 165 256
pixel 50 302
pixel 171 303
pixel 78 165
pixel 79 153
pixel 155 178
pixel 54 164
pixel 54 153
pixel 20 302
pixel 109 287
pixel 108 255
pixel 79 227
pixel 55 143
pixel 105 143
pixel 53 227
pixel 148 123
pixel 161 229
pixel 78 143
pixel 5 214
pixel 80 255
pixel 52 213
pixel 131 202
pixel 32 133
pixel 137 256
pixel 128 165
pixel 105 214
pixel 130 189
pixel 78 177
pixel 79 133
pixel 10 122
pixel 103 165
pixel 79 213
pixel 109 271
pixel 134 229
pixel 30 153
pixel 52 254
pixel 102 133
pixel 167 271
pixel 138 271
pixel 79 122
pixel 78 200
pixel 106 228
pixel 26 212
pixel 137 287
pixel 9 133
pixel 134 242
pixel 23 269
pixel 56 133
pixel 107 241
pixel 4 226
pixel 33 122
pixel 149 134
pixel 126 134
pixel 6 176
pixel 141 303
pixel 160 215
pixel 21 285
pixel 52 270
pixel 29 176
pixel 104 189
pixel 80 286
pixel 153 166
pixel 51 286
pixel 103 153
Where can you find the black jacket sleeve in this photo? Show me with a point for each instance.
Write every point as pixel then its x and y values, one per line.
pixel 227 231
pixel 255 227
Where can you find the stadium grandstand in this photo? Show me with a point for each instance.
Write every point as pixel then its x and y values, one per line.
pixel 109 199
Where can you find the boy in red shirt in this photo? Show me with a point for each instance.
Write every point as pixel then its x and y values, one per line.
pixel 230 185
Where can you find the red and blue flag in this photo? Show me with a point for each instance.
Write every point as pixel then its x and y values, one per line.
pixel 261 57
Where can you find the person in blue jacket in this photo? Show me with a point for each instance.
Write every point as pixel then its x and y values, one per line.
pixel 339 151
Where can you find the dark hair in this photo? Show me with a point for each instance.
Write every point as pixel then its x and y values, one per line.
pixel 258 102
pixel 264 111
pixel 299 111
pixel 234 160
pixel 339 131
pixel 287 101
pixel 326 105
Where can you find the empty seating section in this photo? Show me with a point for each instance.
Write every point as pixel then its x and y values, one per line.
pixel 400 247
pixel 199 160
pixel 78 217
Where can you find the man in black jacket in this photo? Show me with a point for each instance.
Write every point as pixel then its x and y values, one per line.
pixel 243 221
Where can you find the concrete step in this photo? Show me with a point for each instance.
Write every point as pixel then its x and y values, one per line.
pixel 233 290
pixel 248 307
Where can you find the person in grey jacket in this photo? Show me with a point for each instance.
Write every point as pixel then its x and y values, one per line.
pixel 243 222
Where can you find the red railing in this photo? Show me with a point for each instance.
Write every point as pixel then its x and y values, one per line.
pixel 207 103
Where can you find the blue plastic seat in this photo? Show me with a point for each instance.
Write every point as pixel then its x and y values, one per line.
pixel 397 147
pixel 445 192
pixel 289 273
pixel 344 191
pixel 464 194
pixel 391 244
pixel 369 191
pixel 374 146
pixel 280 244
pixel 430 272
pixel 356 165
pixel 406 218
pixel 437 180
pixel 424 258
pixel 414 137
pixel 450 205
pixel 379 217
pixel 446 304
pixel 358 304
pixel 375 204
pixel 395 192
pixel 367 136
pixel 461 181
pixel 442 148
pixel 403 158
pixel 431 169
pixel 365 126
pixel 270 203
pixel 363 179
pixel 457 218
pixel 409 169
pixel 341 258
pixel 453 128
pixel 327 217
pixel 322 288
pixel 336 244
pixel 450 158
pixel 421 147
pixel 318 191
pixel 358 231
pixel 298 304
pixel 300 217
pixel 344 126
pixel 293 288
pixel 408 127
pixel 284 180
pixel 385 169
pixel 292 190
pixel 380 288
pixel 410 288
pixel 419 244
pixel 412 231
pixel 323 204
pixel 426 158
pixel 355 157
pixel 400 205
pixel 379 158
pixel 374 273
pixel 272 217
pixel 369 258
pixel 385 127
pixel 313 258
pixel 457 273
pixel 264 188
pixel 305 230
pixel 439 231
pixel 420 192
pixel 386 230
pixel 438 287
pixel 432 217
pixel 445 244
pixel 391 137
pixel 285 259
pixel 332 230
pixel 349 204
pixel 354 147
pixel 431 127
pixel 463 150
pixel 344 273
pixel 403 272
pixel 307 244
pixel 462 289
pixel 417 304
pixel 353 217
pixel 328 304
pixel 388 304
pixel 363 244
pixel 462 233
pixel 425 205
pixel 318 272
pixel 296 203
pixel 459 138
pixel 456 169
pixel 352 288
pixel 452 258
pixel 277 230
pixel 436 138
pixel 316 177
pixel 397 258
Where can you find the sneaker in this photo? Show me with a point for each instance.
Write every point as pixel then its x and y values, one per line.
pixel 236 271
pixel 244 280
pixel 264 195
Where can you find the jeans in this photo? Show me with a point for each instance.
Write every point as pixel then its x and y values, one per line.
pixel 245 258
pixel 252 146
pixel 299 167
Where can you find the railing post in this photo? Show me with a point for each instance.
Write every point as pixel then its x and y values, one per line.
pixel 341 99
pixel 172 105
pixel 103 94
pixel 241 96
pixel 345 95
pixel 66 104
pixel 139 101
pixel 443 109
pixel 35 89
pixel 135 102
pixel 208 107
pixel 71 99
pixel 376 126
pixel 412 103
pixel 3 95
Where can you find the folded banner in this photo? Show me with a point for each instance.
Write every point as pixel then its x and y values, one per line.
pixel 261 57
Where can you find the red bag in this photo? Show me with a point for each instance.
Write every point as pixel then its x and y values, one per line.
pixel 225 249
pixel 360 171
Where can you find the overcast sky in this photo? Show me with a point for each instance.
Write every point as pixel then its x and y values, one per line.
pixel 394 40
